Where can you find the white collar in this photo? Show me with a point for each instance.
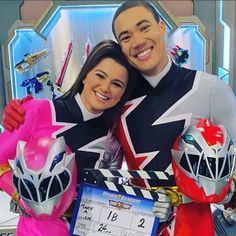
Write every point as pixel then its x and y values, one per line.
pixel 154 80
pixel 86 114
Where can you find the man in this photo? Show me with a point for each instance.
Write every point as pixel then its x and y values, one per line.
pixel 167 98
pixel 169 95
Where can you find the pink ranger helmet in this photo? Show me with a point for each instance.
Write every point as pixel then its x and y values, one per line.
pixel 203 161
pixel 44 176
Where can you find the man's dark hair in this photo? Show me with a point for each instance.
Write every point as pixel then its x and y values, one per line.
pixel 134 3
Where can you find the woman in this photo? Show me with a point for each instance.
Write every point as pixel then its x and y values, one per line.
pixel 86 116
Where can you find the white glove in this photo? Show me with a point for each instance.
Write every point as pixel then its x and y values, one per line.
pixel 229 195
pixel 162 207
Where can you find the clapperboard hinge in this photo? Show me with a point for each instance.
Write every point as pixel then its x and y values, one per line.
pixel 99 176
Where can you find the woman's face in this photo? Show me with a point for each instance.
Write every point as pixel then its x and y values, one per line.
pixel 104 86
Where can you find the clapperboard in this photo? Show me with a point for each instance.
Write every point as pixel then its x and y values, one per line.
pixel 106 207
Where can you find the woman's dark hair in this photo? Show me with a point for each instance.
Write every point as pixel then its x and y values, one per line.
pixel 105 49
pixel 134 3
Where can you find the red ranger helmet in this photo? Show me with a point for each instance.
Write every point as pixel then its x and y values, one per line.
pixel 204 161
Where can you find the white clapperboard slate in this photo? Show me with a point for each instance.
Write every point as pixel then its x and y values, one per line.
pixel 93 217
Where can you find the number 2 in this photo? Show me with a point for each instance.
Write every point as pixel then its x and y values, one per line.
pixel 141 223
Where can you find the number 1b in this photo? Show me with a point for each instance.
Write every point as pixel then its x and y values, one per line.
pixel 112 217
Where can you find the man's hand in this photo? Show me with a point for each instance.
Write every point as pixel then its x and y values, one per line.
pixel 227 206
pixel 229 195
pixel 162 207
pixel 13 114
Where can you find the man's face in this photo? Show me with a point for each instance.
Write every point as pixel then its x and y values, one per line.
pixel 142 40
